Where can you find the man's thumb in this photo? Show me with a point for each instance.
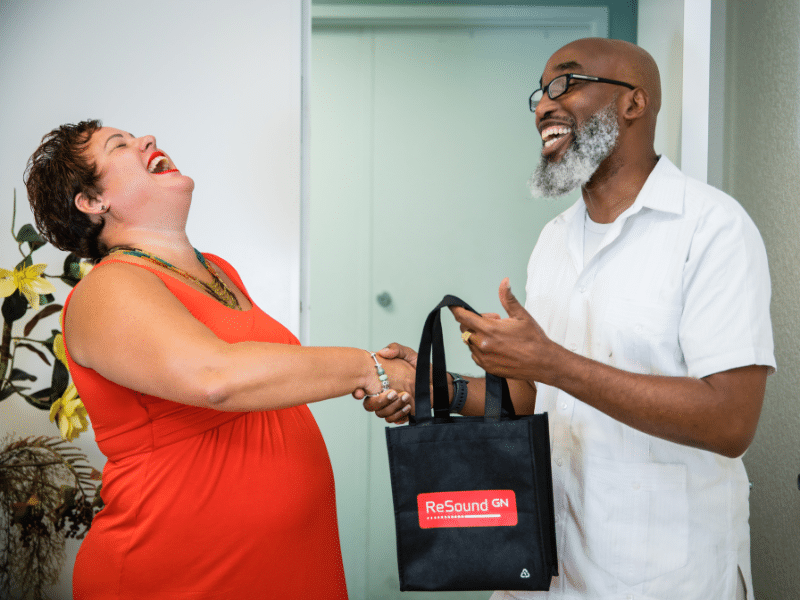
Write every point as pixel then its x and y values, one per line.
pixel 390 351
pixel 514 309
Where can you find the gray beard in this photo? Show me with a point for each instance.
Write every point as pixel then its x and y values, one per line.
pixel 590 146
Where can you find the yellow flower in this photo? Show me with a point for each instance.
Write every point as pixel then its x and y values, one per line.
pixel 7 284
pixel 59 350
pixel 28 281
pixel 71 414
pixel 84 268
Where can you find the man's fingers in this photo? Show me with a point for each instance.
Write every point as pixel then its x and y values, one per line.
pixel 395 350
pixel 514 309
pixel 391 351
pixel 467 319
pixel 395 410
pixel 389 404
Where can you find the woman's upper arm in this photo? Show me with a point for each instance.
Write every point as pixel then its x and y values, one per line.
pixel 125 324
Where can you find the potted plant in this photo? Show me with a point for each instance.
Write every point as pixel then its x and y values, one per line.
pixel 48 490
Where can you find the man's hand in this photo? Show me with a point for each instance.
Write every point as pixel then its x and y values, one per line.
pixel 391 406
pixel 395 350
pixel 515 348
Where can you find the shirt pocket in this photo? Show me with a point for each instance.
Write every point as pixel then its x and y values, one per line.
pixel 643 337
pixel 636 518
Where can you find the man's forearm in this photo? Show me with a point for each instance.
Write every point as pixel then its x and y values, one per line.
pixel 718 413
pixel 523 396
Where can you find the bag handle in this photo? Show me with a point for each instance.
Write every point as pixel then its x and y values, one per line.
pixel 498 399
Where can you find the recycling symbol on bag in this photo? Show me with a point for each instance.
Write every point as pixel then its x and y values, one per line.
pixel 525 574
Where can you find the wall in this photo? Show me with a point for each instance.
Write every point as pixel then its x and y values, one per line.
pixel 218 85
pixel 660 31
pixel 762 138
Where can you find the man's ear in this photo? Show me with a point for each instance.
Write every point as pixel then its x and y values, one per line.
pixel 636 103
pixel 90 206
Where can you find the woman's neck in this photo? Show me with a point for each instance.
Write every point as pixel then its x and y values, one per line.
pixel 173 247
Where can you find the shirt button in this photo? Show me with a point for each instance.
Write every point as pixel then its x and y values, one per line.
pixel 638 329
pixel 629 597
pixel 583 289
pixel 559 462
pixel 637 485
pixel 563 406
pixel 573 347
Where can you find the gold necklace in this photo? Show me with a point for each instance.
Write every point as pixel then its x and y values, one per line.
pixel 217 289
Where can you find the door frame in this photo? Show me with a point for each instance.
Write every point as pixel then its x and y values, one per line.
pixel 697 59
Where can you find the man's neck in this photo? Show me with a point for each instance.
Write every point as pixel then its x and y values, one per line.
pixel 614 187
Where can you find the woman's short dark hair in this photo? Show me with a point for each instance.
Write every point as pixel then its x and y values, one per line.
pixel 57 171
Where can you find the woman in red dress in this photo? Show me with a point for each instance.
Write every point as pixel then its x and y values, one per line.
pixel 218 484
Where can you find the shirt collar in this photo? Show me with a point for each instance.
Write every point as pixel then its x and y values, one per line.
pixel 663 191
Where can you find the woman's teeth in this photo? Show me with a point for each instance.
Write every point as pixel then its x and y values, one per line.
pixel 158 165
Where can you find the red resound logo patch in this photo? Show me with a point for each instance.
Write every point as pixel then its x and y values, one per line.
pixel 475 508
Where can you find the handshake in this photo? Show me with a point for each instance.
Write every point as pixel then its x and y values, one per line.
pixel 397 403
pixel 511 348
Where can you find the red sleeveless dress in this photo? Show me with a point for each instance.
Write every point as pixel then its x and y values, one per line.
pixel 202 504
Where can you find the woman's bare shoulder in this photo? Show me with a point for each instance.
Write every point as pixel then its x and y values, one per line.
pixel 117 297
pixel 114 280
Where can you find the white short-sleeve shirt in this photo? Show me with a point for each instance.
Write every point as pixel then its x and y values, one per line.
pixel 679 286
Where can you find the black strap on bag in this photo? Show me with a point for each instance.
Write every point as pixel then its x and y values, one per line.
pixel 494 469
pixel 498 398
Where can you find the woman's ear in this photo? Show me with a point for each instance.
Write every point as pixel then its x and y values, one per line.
pixel 90 206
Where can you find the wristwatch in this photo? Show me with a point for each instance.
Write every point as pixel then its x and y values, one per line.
pixel 459 393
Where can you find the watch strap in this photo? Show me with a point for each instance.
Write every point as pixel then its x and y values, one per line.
pixel 459 393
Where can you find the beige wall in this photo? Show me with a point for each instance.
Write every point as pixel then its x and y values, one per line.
pixel 760 168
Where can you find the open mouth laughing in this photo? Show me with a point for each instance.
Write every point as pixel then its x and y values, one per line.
pixel 158 164
pixel 553 134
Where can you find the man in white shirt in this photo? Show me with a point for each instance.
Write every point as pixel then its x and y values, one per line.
pixel 646 332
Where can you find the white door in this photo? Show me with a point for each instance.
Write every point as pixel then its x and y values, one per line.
pixel 421 147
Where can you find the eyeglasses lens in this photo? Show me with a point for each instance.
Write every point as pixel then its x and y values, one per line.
pixel 554 89
pixel 557 87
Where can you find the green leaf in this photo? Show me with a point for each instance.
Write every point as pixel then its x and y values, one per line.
pixel 72 270
pixel 72 265
pixel 45 300
pixel 9 390
pixel 45 312
pixel 6 392
pixel 27 233
pixel 70 281
pixel 25 262
pixel 34 246
pixel 49 341
pixel 14 307
pixel 36 351
pixel 40 399
pixel 20 375
pixel 59 382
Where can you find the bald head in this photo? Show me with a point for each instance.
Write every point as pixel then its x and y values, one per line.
pixel 614 59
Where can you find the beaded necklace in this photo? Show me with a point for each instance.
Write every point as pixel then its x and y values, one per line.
pixel 217 288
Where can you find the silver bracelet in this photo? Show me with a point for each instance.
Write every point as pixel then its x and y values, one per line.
pixel 384 378
pixel 459 393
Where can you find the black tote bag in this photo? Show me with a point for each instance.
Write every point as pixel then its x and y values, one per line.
pixel 473 496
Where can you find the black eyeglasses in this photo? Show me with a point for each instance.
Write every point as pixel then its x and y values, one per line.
pixel 560 85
